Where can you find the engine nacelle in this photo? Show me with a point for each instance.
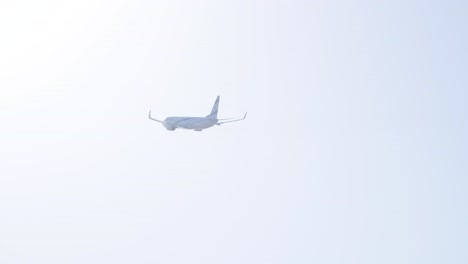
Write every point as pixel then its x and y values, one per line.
pixel 169 127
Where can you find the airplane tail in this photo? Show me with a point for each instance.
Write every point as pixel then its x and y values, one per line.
pixel 214 110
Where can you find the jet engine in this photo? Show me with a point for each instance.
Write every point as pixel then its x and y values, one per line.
pixel 169 127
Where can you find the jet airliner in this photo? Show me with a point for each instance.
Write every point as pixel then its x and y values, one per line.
pixel 196 123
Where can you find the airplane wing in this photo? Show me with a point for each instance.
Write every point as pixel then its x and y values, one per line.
pixel 155 119
pixel 234 120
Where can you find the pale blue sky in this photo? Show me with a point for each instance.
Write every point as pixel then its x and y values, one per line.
pixel 354 150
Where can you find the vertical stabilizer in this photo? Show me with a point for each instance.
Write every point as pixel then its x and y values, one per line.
pixel 214 110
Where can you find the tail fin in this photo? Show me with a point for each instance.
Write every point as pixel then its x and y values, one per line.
pixel 214 110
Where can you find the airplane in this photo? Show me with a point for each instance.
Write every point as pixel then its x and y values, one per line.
pixel 196 123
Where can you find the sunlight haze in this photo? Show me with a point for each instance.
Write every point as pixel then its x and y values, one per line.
pixel 353 151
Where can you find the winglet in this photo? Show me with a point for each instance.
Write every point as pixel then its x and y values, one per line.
pixel 149 116
pixel 234 120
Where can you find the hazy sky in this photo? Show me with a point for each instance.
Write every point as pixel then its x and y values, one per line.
pixel 354 150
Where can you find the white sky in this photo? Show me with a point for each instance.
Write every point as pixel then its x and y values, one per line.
pixel 354 150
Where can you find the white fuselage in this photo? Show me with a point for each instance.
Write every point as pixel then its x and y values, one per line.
pixel 192 123
pixel 195 123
